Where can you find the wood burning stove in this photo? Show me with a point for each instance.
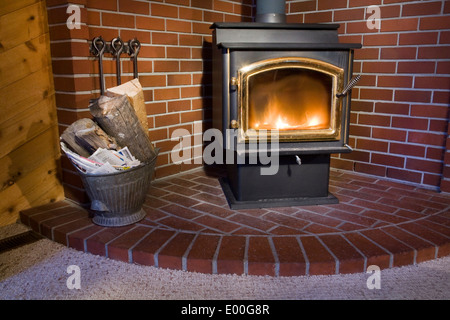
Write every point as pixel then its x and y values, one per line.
pixel 291 79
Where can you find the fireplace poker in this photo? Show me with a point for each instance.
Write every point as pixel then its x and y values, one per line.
pixel 98 52
pixel 117 46
pixel 134 46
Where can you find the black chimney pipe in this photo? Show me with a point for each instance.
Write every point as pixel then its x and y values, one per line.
pixel 271 11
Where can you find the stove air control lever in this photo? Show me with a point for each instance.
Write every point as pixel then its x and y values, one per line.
pixel 349 86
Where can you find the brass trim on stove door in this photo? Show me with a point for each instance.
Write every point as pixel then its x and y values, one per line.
pixel 337 75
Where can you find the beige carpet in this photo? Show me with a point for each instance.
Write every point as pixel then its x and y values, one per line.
pixel 39 271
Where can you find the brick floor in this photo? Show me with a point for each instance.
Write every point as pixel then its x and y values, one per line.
pixel 189 226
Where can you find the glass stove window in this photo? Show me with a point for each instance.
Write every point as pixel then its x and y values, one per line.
pixel 289 99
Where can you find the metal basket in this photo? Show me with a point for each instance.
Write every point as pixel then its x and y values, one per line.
pixel 117 198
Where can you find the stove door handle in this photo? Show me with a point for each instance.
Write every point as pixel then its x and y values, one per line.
pixel 234 84
pixel 349 86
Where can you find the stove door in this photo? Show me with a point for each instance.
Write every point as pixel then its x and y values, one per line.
pixel 295 96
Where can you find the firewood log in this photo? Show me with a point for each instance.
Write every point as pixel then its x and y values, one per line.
pixel 135 94
pixel 93 138
pixel 84 137
pixel 117 118
pixel 68 136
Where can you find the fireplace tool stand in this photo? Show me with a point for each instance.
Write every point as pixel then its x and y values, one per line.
pixel 98 47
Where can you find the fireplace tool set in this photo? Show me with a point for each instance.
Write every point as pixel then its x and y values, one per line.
pixel 117 132
pixel 116 47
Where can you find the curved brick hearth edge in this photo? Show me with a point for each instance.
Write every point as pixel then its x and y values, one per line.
pixel 189 226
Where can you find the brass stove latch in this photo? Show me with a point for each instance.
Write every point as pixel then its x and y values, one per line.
pixel 349 86
pixel 234 84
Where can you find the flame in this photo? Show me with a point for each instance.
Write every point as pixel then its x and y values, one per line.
pixel 315 121
pixel 276 119
pixel 291 103
pixel 281 124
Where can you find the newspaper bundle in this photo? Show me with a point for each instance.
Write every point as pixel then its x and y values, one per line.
pixel 102 161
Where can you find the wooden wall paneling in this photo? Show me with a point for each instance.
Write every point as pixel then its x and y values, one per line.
pixel 17 165
pixel 22 25
pixel 10 6
pixel 39 186
pixel 30 171
pixel 26 58
pixel 23 94
pixel 26 125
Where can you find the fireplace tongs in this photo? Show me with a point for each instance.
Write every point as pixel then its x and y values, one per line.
pixel 349 86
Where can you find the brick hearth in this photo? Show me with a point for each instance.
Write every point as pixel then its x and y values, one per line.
pixel 189 226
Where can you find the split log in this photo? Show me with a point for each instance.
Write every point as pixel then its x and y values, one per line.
pixel 84 137
pixel 93 137
pixel 133 90
pixel 68 137
pixel 117 118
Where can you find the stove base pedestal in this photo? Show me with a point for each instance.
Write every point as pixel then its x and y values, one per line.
pixel 294 184
pixel 272 203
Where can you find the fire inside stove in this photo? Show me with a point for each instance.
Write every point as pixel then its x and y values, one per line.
pixel 290 99
pixel 295 96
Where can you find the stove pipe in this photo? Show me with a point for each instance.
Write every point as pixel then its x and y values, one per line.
pixel 270 11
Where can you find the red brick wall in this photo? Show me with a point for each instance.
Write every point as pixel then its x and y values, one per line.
pixel 400 108
pixel 174 64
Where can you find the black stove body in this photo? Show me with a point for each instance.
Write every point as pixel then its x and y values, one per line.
pixel 304 71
